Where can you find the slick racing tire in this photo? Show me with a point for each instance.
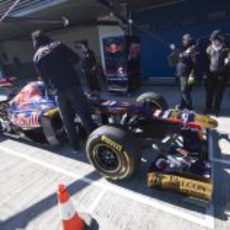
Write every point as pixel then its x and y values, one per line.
pixel 114 152
pixel 153 100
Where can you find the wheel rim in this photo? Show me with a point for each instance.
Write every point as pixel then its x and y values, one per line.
pixel 106 158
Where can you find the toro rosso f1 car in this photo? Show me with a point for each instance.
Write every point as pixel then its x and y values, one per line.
pixel 180 138
pixel 114 149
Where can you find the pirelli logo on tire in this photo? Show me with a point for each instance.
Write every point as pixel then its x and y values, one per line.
pixel 112 143
pixel 187 186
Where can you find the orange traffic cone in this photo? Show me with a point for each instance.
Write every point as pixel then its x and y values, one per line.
pixel 70 218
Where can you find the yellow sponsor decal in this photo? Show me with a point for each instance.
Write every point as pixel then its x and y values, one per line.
pixel 52 112
pixel 174 114
pixel 187 186
pixel 111 143
pixel 206 121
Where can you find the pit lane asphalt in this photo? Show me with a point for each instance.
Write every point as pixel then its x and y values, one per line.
pixel 29 176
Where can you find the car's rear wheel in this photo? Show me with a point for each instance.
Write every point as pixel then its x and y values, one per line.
pixel 153 101
pixel 114 152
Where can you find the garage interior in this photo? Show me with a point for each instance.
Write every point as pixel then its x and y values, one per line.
pixel 158 24
pixel 16 50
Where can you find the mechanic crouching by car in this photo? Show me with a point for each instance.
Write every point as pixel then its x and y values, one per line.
pixel 186 70
pixel 55 63
pixel 217 72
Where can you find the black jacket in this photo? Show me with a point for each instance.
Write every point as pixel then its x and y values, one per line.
pixel 55 63
pixel 89 61
pixel 187 61
pixel 217 60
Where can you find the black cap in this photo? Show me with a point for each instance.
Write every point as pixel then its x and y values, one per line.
pixel 40 38
pixel 187 37
pixel 217 35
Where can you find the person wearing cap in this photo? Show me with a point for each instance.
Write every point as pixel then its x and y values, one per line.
pixel 54 62
pixel 89 67
pixel 186 70
pixel 218 55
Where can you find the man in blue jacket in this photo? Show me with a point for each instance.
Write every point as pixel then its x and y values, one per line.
pixel 55 63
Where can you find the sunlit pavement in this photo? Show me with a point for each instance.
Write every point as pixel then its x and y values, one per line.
pixel 29 176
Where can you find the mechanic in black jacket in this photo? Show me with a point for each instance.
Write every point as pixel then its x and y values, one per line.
pixel 55 63
pixel 217 72
pixel 90 68
pixel 186 70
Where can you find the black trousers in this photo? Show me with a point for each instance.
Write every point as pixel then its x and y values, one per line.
pixel 215 86
pixel 185 93
pixel 92 81
pixel 71 102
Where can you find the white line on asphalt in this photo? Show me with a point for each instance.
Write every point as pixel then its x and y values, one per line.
pixel 129 194
pixel 96 201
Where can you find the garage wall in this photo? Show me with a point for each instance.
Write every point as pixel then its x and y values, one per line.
pixel 16 55
pixel 21 49
pixel 70 35
pixel 160 27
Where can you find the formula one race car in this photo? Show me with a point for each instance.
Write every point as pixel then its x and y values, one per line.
pixel 181 138
pixel 28 113
pixel 115 147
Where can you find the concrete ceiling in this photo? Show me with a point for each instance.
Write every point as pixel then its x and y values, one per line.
pixel 81 12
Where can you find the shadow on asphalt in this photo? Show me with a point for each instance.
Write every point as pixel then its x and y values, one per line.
pixel 22 219
pixel 137 184
pixel 221 178
pixel 222 192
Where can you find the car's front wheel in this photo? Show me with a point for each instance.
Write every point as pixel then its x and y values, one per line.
pixel 114 152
